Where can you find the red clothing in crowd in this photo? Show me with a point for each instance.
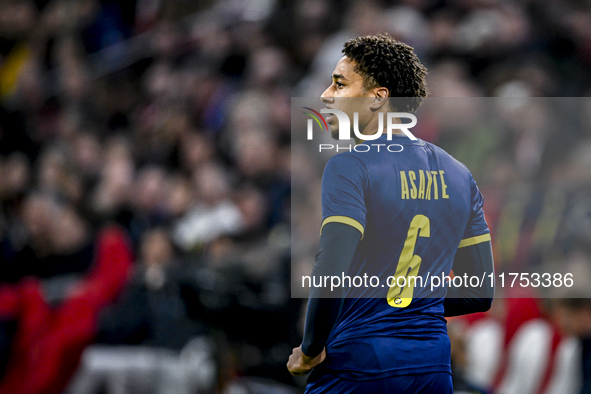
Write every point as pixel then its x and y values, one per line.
pixel 49 341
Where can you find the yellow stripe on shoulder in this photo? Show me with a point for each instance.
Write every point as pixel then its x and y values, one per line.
pixel 345 220
pixel 474 240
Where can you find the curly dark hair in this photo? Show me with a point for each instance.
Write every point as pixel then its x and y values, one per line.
pixel 384 62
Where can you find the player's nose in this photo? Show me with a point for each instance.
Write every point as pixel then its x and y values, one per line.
pixel 326 97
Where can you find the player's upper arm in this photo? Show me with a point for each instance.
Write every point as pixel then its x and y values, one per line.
pixel 476 230
pixel 344 189
pixel 473 258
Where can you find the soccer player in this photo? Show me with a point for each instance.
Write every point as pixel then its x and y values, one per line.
pixel 415 212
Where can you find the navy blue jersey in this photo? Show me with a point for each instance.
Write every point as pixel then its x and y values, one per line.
pixel 414 208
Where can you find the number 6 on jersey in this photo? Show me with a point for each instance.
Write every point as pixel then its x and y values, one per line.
pixel 408 264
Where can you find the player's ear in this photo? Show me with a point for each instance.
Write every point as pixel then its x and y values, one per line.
pixel 380 98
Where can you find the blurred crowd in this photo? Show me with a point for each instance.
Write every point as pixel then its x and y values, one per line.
pixel 153 137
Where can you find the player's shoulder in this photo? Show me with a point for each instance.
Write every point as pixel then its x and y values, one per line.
pixel 450 161
pixel 345 166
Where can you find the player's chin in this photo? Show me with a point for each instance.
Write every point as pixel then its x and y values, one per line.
pixel 299 373
pixel 334 132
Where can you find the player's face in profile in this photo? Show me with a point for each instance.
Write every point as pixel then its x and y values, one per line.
pixel 346 83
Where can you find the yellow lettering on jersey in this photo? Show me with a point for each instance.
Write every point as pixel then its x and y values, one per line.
pixel 428 191
pixel 435 189
pixel 413 188
pixel 443 185
pixel 404 185
pixel 421 185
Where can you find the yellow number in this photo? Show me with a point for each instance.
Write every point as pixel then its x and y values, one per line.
pixel 408 264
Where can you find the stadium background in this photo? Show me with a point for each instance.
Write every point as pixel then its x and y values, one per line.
pixel 153 138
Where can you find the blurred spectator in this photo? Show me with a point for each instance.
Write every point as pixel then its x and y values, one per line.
pixel 54 327
pixel 517 348
pixel 152 310
pixel 213 215
pixel 459 361
pixel 573 316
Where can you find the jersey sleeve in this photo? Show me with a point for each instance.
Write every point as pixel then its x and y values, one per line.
pixel 344 186
pixel 477 229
